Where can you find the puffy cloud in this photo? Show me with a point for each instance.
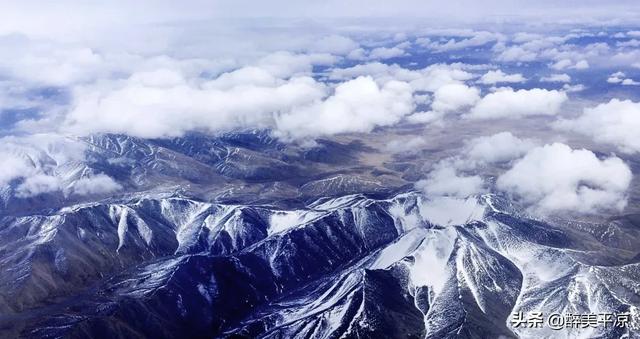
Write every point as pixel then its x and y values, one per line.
pixel 376 70
pixel 446 99
pixel 37 153
pixel 357 105
pixel 382 53
pixel 435 76
pixel 561 53
pixel 629 43
pixel 48 163
pixel 49 65
pixel 13 167
pixel 357 54
pixel 616 78
pixel 445 180
pixel 38 184
pixel 286 64
pixel 634 34
pixel 624 59
pixel 452 97
pixel 573 88
pixel 378 53
pixel 557 178
pixel 561 64
pixel 582 64
pixel 334 44
pixel 556 78
pixel 517 53
pixel 427 79
pixel 500 147
pixel 150 109
pixel 97 184
pixel 567 63
pixel 477 39
pixel 616 122
pixel 508 103
pixel 494 77
pixel 165 103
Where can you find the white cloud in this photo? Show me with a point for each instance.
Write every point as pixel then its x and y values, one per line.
pixel 44 64
pixel 616 122
pixel 13 167
pixel 48 163
pixel 435 76
pixel 147 109
pixel 286 64
pixel 573 88
pixel 97 184
pixel 629 43
pixel 620 78
pixel 427 79
pixel 41 152
pixel 494 77
pixel 624 58
pixel 445 180
pixel 165 103
pixel 562 64
pixel 634 34
pixel 447 99
pixel 508 103
pixel 357 105
pixel 477 39
pixel 582 64
pixel 517 53
pixel 615 78
pixel 567 63
pixel 500 147
pixel 452 97
pixel 556 78
pixel 383 53
pixel 334 44
pixel 557 178
pixel 38 184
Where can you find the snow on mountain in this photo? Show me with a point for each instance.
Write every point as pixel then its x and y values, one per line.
pixel 351 266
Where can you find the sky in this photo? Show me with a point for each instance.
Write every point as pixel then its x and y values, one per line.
pixel 73 19
pixel 306 70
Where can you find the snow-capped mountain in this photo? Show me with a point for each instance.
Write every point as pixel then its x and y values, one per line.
pixel 267 240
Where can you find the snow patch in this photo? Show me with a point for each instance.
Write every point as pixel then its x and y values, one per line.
pixel 447 211
pixel 399 249
pixel 336 203
pixel 284 220
pixel 431 259
pixel 407 221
